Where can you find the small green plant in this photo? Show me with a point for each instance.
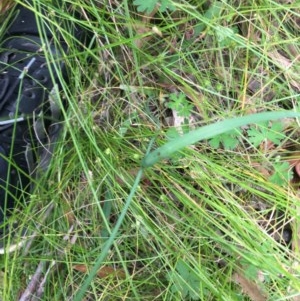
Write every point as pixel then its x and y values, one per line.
pixel 264 131
pixel 209 132
pixel 282 173
pixel 180 104
pixel 251 270
pixel 148 6
pixel 225 36
pixel 185 281
pixel 228 140
pixel 257 134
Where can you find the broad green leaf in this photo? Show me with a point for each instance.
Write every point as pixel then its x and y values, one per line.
pixel 228 140
pixel 185 281
pixel 148 6
pixel 264 132
pixel 282 173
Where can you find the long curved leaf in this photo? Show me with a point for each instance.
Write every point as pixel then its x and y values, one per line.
pixel 209 131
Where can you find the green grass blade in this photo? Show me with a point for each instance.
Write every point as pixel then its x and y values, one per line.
pixel 79 296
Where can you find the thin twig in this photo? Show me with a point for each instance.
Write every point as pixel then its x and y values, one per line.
pixel 41 287
pixel 36 286
pixel 34 282
pixel 36 232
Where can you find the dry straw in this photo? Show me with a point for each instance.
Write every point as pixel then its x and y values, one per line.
pixel 5 5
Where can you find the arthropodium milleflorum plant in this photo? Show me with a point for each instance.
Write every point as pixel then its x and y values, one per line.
pixel 148 6
pixel 211 131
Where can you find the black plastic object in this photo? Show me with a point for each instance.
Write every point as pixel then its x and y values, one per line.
pixel 28 113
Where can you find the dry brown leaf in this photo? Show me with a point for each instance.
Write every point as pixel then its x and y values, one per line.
pixel 296 298
pixel 5 5
pixel 140 30
pixel 67 208
pixel 259 167
pixel 103 272
pixel 287 65
pixel 258 87
pixel 297 168
pixel 178 120
pixel 294 162
pixel 249 288
pixel 145 28
pixel 280 59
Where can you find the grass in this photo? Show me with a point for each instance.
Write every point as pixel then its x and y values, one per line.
pixel 206 223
